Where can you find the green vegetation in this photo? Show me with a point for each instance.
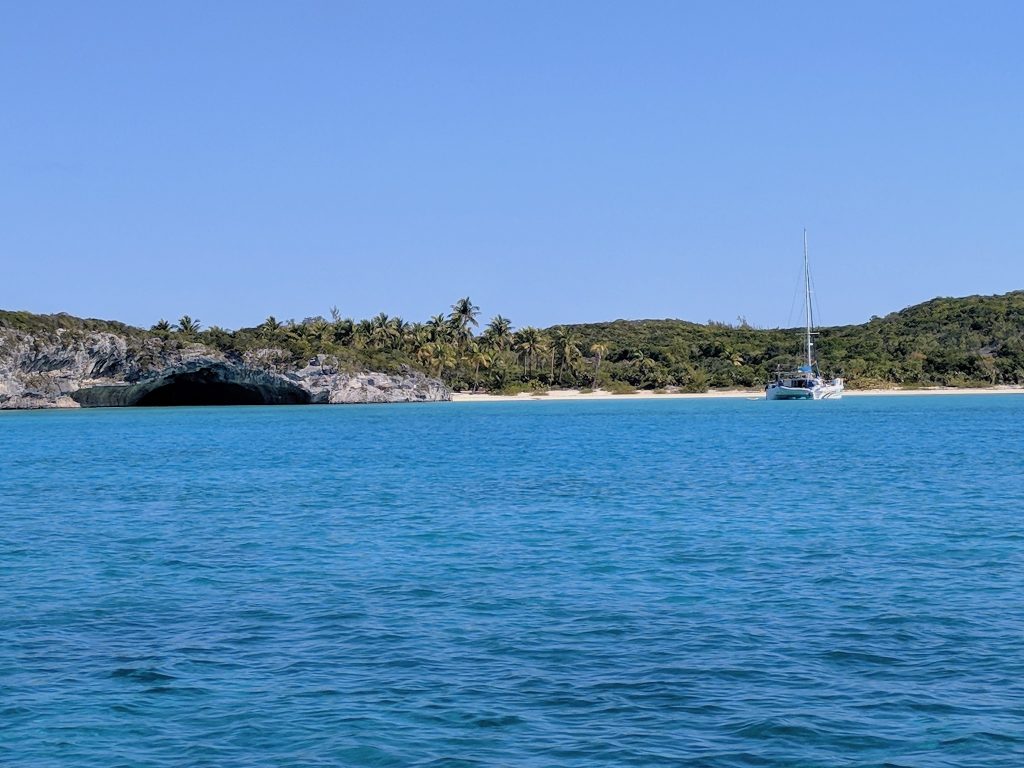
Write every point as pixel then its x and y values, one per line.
pixel 619 387
pixel 45 324
pixel 974 341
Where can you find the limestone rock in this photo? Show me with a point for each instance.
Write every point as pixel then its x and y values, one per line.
pixel 93 369
pixel 411 387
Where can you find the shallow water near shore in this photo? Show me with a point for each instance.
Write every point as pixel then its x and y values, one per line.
pixel 714 582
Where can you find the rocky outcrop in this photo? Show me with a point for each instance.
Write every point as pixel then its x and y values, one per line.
pixel 327 387
pixel 98 369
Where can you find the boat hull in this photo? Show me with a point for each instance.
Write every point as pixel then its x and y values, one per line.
pixel 788 393
pixel 832 390
pixel 829 392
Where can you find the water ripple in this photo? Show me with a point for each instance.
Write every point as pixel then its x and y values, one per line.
pixel 622 583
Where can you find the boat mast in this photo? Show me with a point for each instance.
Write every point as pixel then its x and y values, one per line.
pixel 807 304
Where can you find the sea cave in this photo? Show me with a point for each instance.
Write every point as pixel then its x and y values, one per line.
pixel 213 384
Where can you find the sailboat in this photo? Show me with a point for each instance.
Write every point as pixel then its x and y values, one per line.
pixel 805 383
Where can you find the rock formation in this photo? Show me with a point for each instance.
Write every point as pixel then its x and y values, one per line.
pixel 69 369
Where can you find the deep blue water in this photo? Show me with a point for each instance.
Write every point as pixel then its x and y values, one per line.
pixel 708 583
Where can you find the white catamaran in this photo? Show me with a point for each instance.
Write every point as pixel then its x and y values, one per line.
pixel 805 383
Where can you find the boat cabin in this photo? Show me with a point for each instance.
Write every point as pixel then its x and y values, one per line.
pixel 798 383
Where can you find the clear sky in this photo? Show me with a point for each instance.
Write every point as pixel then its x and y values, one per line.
pixel 556 161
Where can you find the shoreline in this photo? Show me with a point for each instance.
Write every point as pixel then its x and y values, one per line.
pixel 748 394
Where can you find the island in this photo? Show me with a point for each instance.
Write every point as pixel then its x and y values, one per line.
pixel 61 361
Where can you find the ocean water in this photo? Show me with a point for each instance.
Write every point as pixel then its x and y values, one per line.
pixel 624 583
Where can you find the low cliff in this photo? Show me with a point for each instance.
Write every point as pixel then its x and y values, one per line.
pixel 70 368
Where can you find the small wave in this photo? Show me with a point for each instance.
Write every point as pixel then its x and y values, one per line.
pixel 141 675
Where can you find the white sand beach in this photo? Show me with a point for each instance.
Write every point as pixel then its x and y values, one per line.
pixel 749 394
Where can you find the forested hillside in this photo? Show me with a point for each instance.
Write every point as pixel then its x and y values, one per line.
pixel 977 340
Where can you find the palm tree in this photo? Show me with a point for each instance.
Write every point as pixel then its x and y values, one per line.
pixel 188 327
pixel 269 328
pixel 380 331
pixel 600 349
pixel 549 347
pixel 425 353
pixel 361 334
pixel 498 333
pixel 320 333
pixel 567 349
pixel 464 313
pixel 461 319
pixel 162 328
pixel 643 365
pixel 295 338
pixel 528 342
pixel 343 330
pixel 438 326
pixel 442 356
pixel 399 330
pixel 503 364
pixel 417 338
pixel 480 358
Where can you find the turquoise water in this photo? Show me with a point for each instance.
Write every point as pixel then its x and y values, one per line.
pixel 708 583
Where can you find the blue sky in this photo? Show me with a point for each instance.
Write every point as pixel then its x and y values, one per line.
pixel 556 161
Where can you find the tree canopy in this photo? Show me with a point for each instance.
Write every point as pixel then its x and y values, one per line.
pixel 972 341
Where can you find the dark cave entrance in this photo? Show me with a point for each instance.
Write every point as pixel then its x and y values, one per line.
pixel 203 387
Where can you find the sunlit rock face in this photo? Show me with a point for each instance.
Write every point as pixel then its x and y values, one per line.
pixel 100 369
pixel 326 386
